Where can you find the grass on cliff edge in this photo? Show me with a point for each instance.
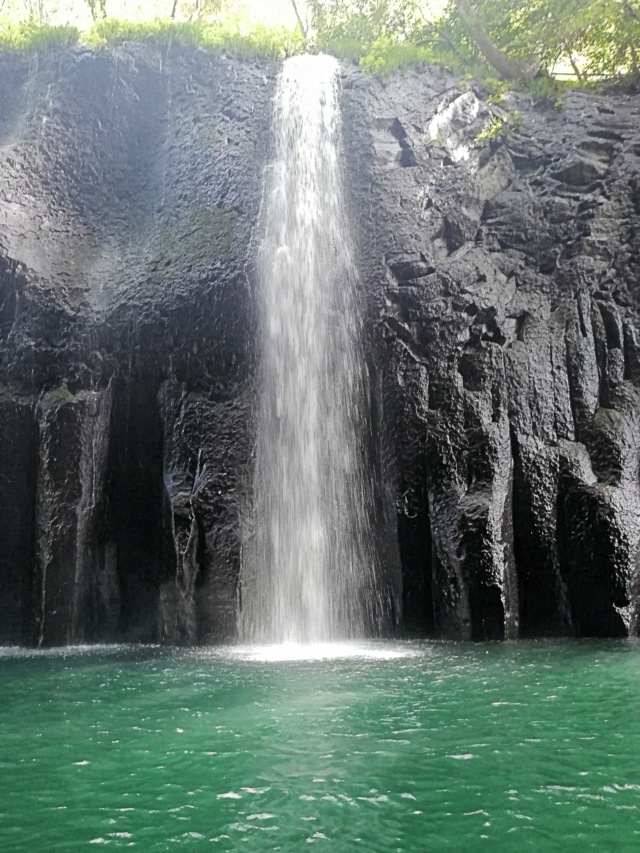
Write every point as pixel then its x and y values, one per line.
pixel 29 37
pixel 232 36
pixel 381 57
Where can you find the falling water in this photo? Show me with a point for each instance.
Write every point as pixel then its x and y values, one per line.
pixel 309 571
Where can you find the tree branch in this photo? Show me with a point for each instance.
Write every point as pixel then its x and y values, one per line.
pixel 507 68
pixel 573 64
pixel 303 29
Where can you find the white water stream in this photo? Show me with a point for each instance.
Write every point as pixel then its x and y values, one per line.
pixel 309 572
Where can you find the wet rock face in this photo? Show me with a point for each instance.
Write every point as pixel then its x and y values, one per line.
pixel 500 292
pixel 131 183
pixel 502 284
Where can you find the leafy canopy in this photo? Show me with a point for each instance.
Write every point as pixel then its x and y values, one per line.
pixel 593 38
pixel 363 21
pixel 588 38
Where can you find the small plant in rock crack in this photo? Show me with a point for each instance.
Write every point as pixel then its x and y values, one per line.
pixel 547 91
pixel 500 128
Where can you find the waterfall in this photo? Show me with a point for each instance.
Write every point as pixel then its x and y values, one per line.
pixel 309 569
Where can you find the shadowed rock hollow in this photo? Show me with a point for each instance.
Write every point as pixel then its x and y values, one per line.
pixel 500 290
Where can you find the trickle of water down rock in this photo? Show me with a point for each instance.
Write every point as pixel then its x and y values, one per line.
pixel 309 571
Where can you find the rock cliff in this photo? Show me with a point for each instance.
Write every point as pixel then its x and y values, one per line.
pixel 498 285
pixel 504 281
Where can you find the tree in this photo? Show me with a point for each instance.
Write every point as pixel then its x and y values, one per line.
pixel 196 10
pixel 515 38
pixel 506 66
pixel 98 9
pixel 303 27
pixel 596 38
pixel 362 21
pixel 37 11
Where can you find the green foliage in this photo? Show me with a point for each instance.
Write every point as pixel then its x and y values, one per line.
pixel 500 128
pixel 343 48
pixel 229 36
pixel 199 10
pixel 592 40
pixel 98 9
pixel 162 32
pixel 375 33
pixel 387 55
pixel 498 89
pixel 382 57
pixel 590 37
pixel 362 21
pixel 548 90
pixel 30 37
pixel 256 40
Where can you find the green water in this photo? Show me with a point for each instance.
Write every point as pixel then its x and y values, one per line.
pixel 411 747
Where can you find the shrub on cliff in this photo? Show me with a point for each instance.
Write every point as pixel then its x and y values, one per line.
pixel 232 35
pixel 31 36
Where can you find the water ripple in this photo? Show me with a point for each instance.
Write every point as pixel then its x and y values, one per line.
pixel 426 746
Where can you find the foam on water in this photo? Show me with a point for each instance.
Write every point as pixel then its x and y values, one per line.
pixel 283 652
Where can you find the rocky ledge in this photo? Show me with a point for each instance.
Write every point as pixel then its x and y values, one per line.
pixel 498 285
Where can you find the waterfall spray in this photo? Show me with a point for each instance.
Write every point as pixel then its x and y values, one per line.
pixel 309 572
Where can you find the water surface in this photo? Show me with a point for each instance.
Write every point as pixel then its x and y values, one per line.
pixel 389 747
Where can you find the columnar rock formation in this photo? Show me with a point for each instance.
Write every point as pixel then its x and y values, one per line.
pixel 499 285
pixel 506 297
pixel 130 187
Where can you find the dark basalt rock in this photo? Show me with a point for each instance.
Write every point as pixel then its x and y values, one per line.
pixel 75 573
pixel 131 183
pixel 500 292
pixel 511 368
